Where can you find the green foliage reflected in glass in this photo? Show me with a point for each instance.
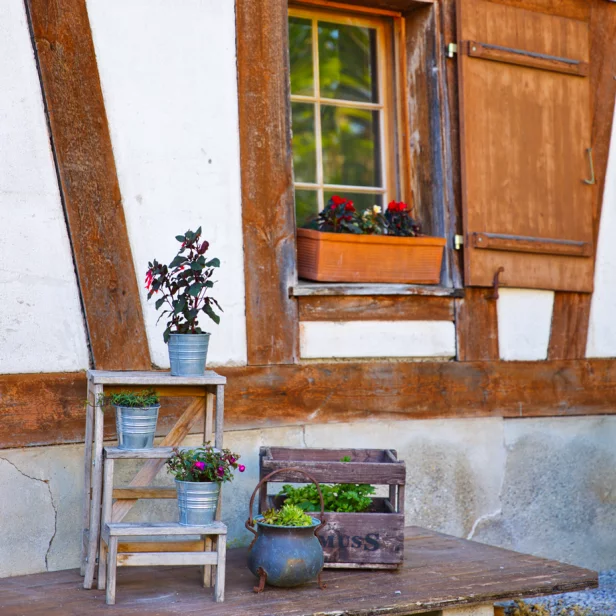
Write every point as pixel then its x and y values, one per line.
pixel 361 201
pixel 306 206
pixel 350 146
pixel 347 62
pixel 304 147
pixel 300 56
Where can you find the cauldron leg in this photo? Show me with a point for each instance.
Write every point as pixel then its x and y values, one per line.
pixel 262 579
pixel 322 585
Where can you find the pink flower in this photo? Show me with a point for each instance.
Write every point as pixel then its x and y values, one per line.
pixel 241 468
pixel 148 279
pixel 199 465
pixel 221 471
pixel 231 459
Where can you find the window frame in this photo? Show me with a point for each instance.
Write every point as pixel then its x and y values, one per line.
pixel 394 184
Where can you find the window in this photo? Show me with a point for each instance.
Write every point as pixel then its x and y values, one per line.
pixel 342 110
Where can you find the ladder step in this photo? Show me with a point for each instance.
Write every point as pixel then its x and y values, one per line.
pixel 146 559
pixel 161 546
pixel 144 492
pixel 156 453
pixel 145 529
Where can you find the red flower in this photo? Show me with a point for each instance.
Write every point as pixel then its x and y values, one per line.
pixel 397 206
pixel 349 207
pixel 336 200
pixel 148 279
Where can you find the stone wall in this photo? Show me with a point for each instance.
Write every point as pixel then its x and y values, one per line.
pixel 542 486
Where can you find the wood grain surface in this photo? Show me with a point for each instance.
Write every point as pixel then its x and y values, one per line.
pixel 477 326
pixel 89 184
pixel 439 572
pixel 44 409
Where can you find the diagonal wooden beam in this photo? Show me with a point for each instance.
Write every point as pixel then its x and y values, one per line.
pixel 89 185
pixel 150 469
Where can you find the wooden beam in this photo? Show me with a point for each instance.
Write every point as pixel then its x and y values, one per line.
pixel 268 208
pixel 89 184
pixel 572 310
pixel 45 409
pixel 477 326
pixel 375 308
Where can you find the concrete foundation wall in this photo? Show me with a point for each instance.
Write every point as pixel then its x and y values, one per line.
pixel 542 486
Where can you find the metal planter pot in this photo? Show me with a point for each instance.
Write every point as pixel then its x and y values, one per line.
pixel 188 354
pixel 197 501
pixel 136 427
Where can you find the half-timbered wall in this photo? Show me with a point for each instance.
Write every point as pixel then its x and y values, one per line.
pixel 182 122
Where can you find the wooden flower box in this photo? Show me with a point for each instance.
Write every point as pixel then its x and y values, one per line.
pixel 370 540
pixel 345 257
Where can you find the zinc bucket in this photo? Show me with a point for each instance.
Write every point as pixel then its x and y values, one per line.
pixel 197 501
pixel 188 353
pixel 136 427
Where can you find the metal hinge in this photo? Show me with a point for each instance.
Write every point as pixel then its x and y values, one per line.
pixel 452 50
pixel 458 241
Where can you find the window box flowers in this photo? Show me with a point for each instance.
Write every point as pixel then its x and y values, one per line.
pixel 372 247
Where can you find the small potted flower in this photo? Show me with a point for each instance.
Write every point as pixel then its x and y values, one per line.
pixel 136 417
pixel 199 474
pixel 183 290
pixel 344 245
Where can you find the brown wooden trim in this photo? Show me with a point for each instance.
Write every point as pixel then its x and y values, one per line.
pixel 535 245
pixel 570 319
pixel 267 181
pixel 89 184
pixel 344 6
pixel 569 331
pixel 375 308
pixel 520 57
pixel 45 409
pixel 477 326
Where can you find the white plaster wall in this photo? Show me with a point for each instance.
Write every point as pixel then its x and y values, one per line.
pixel 41 324
pixel 524 323
pixel 169 79
pixel 602 325
pixel 329 339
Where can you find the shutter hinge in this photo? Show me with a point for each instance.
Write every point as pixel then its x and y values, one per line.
pixel 458 241
pixel 452 50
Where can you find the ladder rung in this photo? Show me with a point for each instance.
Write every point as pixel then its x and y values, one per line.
pixel 129 492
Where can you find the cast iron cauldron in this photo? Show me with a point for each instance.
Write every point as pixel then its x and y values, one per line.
pixel 285 555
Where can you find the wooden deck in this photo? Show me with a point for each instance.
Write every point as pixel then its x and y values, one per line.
pixel 440 572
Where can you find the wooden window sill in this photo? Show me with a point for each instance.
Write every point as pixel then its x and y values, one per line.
pixel 304 288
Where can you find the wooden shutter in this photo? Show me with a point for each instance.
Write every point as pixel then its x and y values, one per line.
pixel 526 134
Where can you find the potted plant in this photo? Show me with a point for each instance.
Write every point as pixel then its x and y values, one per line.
pixel 199 474
pixel 285 551
pixel 345 246
pixel 182 289
pixel 136 417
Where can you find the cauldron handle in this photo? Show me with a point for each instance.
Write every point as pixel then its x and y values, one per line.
pixel 250 522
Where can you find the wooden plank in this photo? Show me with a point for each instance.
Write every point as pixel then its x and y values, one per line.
pixel 536 245
pixel 161 559
pixel 521 57
pixel 158 529
pixel 543 166
pixel 150 469
pixel 219 588
pixel 112 559
pixel 375 308
pixel 477 326
pixel 338 472
pixel 573 9
pixel 160 546
pixel 439 572
pixel 312 289
pixel 145 492
pixel 162 378
pixel 571 315
pixel 88 182
pixel 569 331
pixel 155 453
pixel 336 392
pixel 267 182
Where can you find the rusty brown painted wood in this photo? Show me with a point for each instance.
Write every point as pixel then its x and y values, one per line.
pixel 49 408
pixel 440 572
pixel 375 308
pixel 89 184
pixel 569 332
pixel 268 210
pixel 477 326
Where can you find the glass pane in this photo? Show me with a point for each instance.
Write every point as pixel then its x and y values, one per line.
pixel 306 206
pixel 300 56
pixel 350 146
pixel 361 201
pixel 347 62
pixel 304 149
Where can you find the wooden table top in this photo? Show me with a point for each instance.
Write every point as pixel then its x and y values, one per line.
pixel 439 572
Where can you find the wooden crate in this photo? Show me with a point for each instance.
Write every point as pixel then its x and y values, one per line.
pixel 370 540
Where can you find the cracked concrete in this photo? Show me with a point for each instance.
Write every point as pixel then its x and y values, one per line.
pixel 544 486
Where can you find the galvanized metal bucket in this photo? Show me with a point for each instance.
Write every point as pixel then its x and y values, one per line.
pixel 197 501
pixel 285 555
pixel 136 427
pixel 188 354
